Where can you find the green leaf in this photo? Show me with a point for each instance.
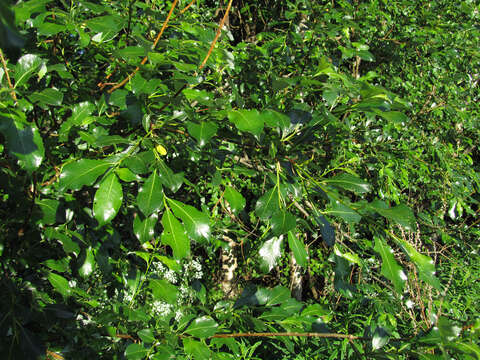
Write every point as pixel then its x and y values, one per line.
pixel 327 230
pixel 163 290
pixel 146 335
pixel 275 119
pixel 108 199
pixel 278 295
pixel 81 173
pixel 247 120
pixel 26 67
pixel 106 24
pixel 80 112
pixel 282 222
pixel 23 139
pixel 380 338
pixel 314 310
pixel 48 97
pixel 143 227
pixel 268 204
pixel 424 264
pixel 201 96
pixel 131 52
pixel 400 214
pixel 50 211
pixel 174 235
pixel 344 212
pixel 59 283
pixel 197 224
pixel 202 327
pixel 270 252
pixel 390 268
pixel 349 182
pixel 202 132
pixel 88 265
pixel 448 331
pixel 393 116
pixel 168 178
pixel 298 248
pixel 235 199
pixel 136 352
pixel 49 29
pixel 139 163
pixel 197 349
pixel 150 195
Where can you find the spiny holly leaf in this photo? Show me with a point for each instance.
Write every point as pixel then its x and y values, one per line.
pixel 197 224
pixel 202 132
pixel 298 248
pixel 390 268
pixel 150 195
pixel 349 182
pixel 174 235
pixel 82 172
pixel 247 120
pixel 108 199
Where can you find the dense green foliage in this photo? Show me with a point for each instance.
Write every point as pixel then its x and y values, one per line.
pixel 335 140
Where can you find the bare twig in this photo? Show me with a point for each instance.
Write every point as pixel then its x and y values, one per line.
pixel 12 92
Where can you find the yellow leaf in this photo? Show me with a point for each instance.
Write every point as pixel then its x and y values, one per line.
pixel 161 150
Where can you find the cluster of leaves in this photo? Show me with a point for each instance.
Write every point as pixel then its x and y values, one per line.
pixel 119 200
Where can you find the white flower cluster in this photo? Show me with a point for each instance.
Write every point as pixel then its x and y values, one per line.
pixel 161 308
pixel 193 270
pixel 163 272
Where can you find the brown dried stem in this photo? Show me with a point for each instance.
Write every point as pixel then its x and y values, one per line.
pixel 10 85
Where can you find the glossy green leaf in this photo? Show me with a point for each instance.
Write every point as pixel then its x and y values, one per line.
pixel 26 67
pixel 424 264
pixel 89 263
pixel 198 350
pixel 146 335
pixel 270 252
pixel 59 283
pixel 143 227
pixel 150 195
pixel 394 116
pixel 235 200
pixel 80 112
pixel 380 338
pixel 202 132
pixel 268 204
pixel 400 214
pixel 202 327
pixel 201 96
pixel 131 52
pixel 174 235
pixel 163 290
pixel 136 352
pixel 48 97
pixel 275 119
pixel 349 182
pixel 50 211
pixel 106 24
pixel 278 295
pixel 315 310
pixel 81 173
pixel 344 212
pixel 298 248
pixel 247 120
pixel 108 199
pixel 197 224
pixel 390 267
pixel 23 139
pixel 126 175
pixel 168 178
pixel 326 229
pixel 282 222
pixel 139 163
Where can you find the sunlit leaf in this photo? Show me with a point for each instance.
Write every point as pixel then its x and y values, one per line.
pixel 349 182
pixel 270 252
pixel 197 224
pixel 202 327
pixel 81 173
pixel 390 268
pixel 150 195
pixel 59 283
pixel 401 214
pixel 282 222
pixel 168 178
pixel 344 212
pixel 202 132
pixel 198 350
pixel 48 97
pixel 298 248
pixel 235 199
pixel 268 204
pixel 163 290
pixel 174 235
pixel 247 120
pixel 26 67
pixel 88 264
pixel 136 352
pixel 108 199
pixel 143 227
pixel 380 338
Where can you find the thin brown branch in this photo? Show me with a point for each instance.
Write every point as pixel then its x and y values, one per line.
pixel 217 35
pixel 186 7
pixel 145 59
pixel 10 85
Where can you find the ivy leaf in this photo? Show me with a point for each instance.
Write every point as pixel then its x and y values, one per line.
pixel 235 199
pixel 282 222
pixel 150 195
pixel 81 173
pixel 23 139
pixel 247 120
pixel 59 283
pixel 268 204
pixel 197 224
pixel 298 248
pixel 349 182
pixel 390 268
pixel 136 352
pixel 202 132
pixel 202 327
pixel 174 235
pixel 143 227
pixel 108 199
pixel 163 290
pixel 270 252
pixel 25 68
